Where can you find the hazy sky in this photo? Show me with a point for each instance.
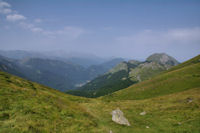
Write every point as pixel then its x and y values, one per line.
pixel 121 28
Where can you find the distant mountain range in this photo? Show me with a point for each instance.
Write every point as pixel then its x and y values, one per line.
pixel 125 74
pixel 10 66
pixel 55 72
pixel 85 60
pixel 87 80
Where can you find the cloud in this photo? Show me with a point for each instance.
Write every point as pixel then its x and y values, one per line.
pixel 169 37
pixel 26 25
pixel 30 27
pixel 184 42
pixel 36 29
pixel 4 4
pixel 5 8
pixel 68 32
pixel 15 17
pixel 184 35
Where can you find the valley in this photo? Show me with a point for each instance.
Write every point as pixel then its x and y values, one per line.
pixel 51 71
pixel 171 101
pixel 100 66
pixel 125 74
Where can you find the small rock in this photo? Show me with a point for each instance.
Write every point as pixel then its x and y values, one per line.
pixel 179 123
pixel 189 100
pixel 118 117
pixel 110 131
pixel 147 126
pixel 143 113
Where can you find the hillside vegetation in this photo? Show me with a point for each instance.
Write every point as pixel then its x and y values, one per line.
pixel 171 101
pixel 182 77
pixel 125 74
pixel 29 107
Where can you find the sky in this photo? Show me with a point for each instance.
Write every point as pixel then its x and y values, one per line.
pixel 106 28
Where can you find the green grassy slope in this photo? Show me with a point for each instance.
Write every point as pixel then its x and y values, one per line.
pixel 171 102
pixel 172 113
pixel 192 61
pixel 182 77
pixel 29 107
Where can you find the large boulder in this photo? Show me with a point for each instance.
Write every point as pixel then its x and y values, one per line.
pixel 118 117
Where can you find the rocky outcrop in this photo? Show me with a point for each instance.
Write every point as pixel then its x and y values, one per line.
pixel 118 117
pixel 143 113
pixel 163 59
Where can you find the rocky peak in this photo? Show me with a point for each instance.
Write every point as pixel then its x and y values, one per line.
pixel 162 58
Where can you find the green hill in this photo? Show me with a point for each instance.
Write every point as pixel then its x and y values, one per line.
pixel 107 83
pixel 29 107
pixel 125 74
pixel 171 101
pixel 179 78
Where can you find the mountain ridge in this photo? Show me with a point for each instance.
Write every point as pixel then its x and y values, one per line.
pixel 125 74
